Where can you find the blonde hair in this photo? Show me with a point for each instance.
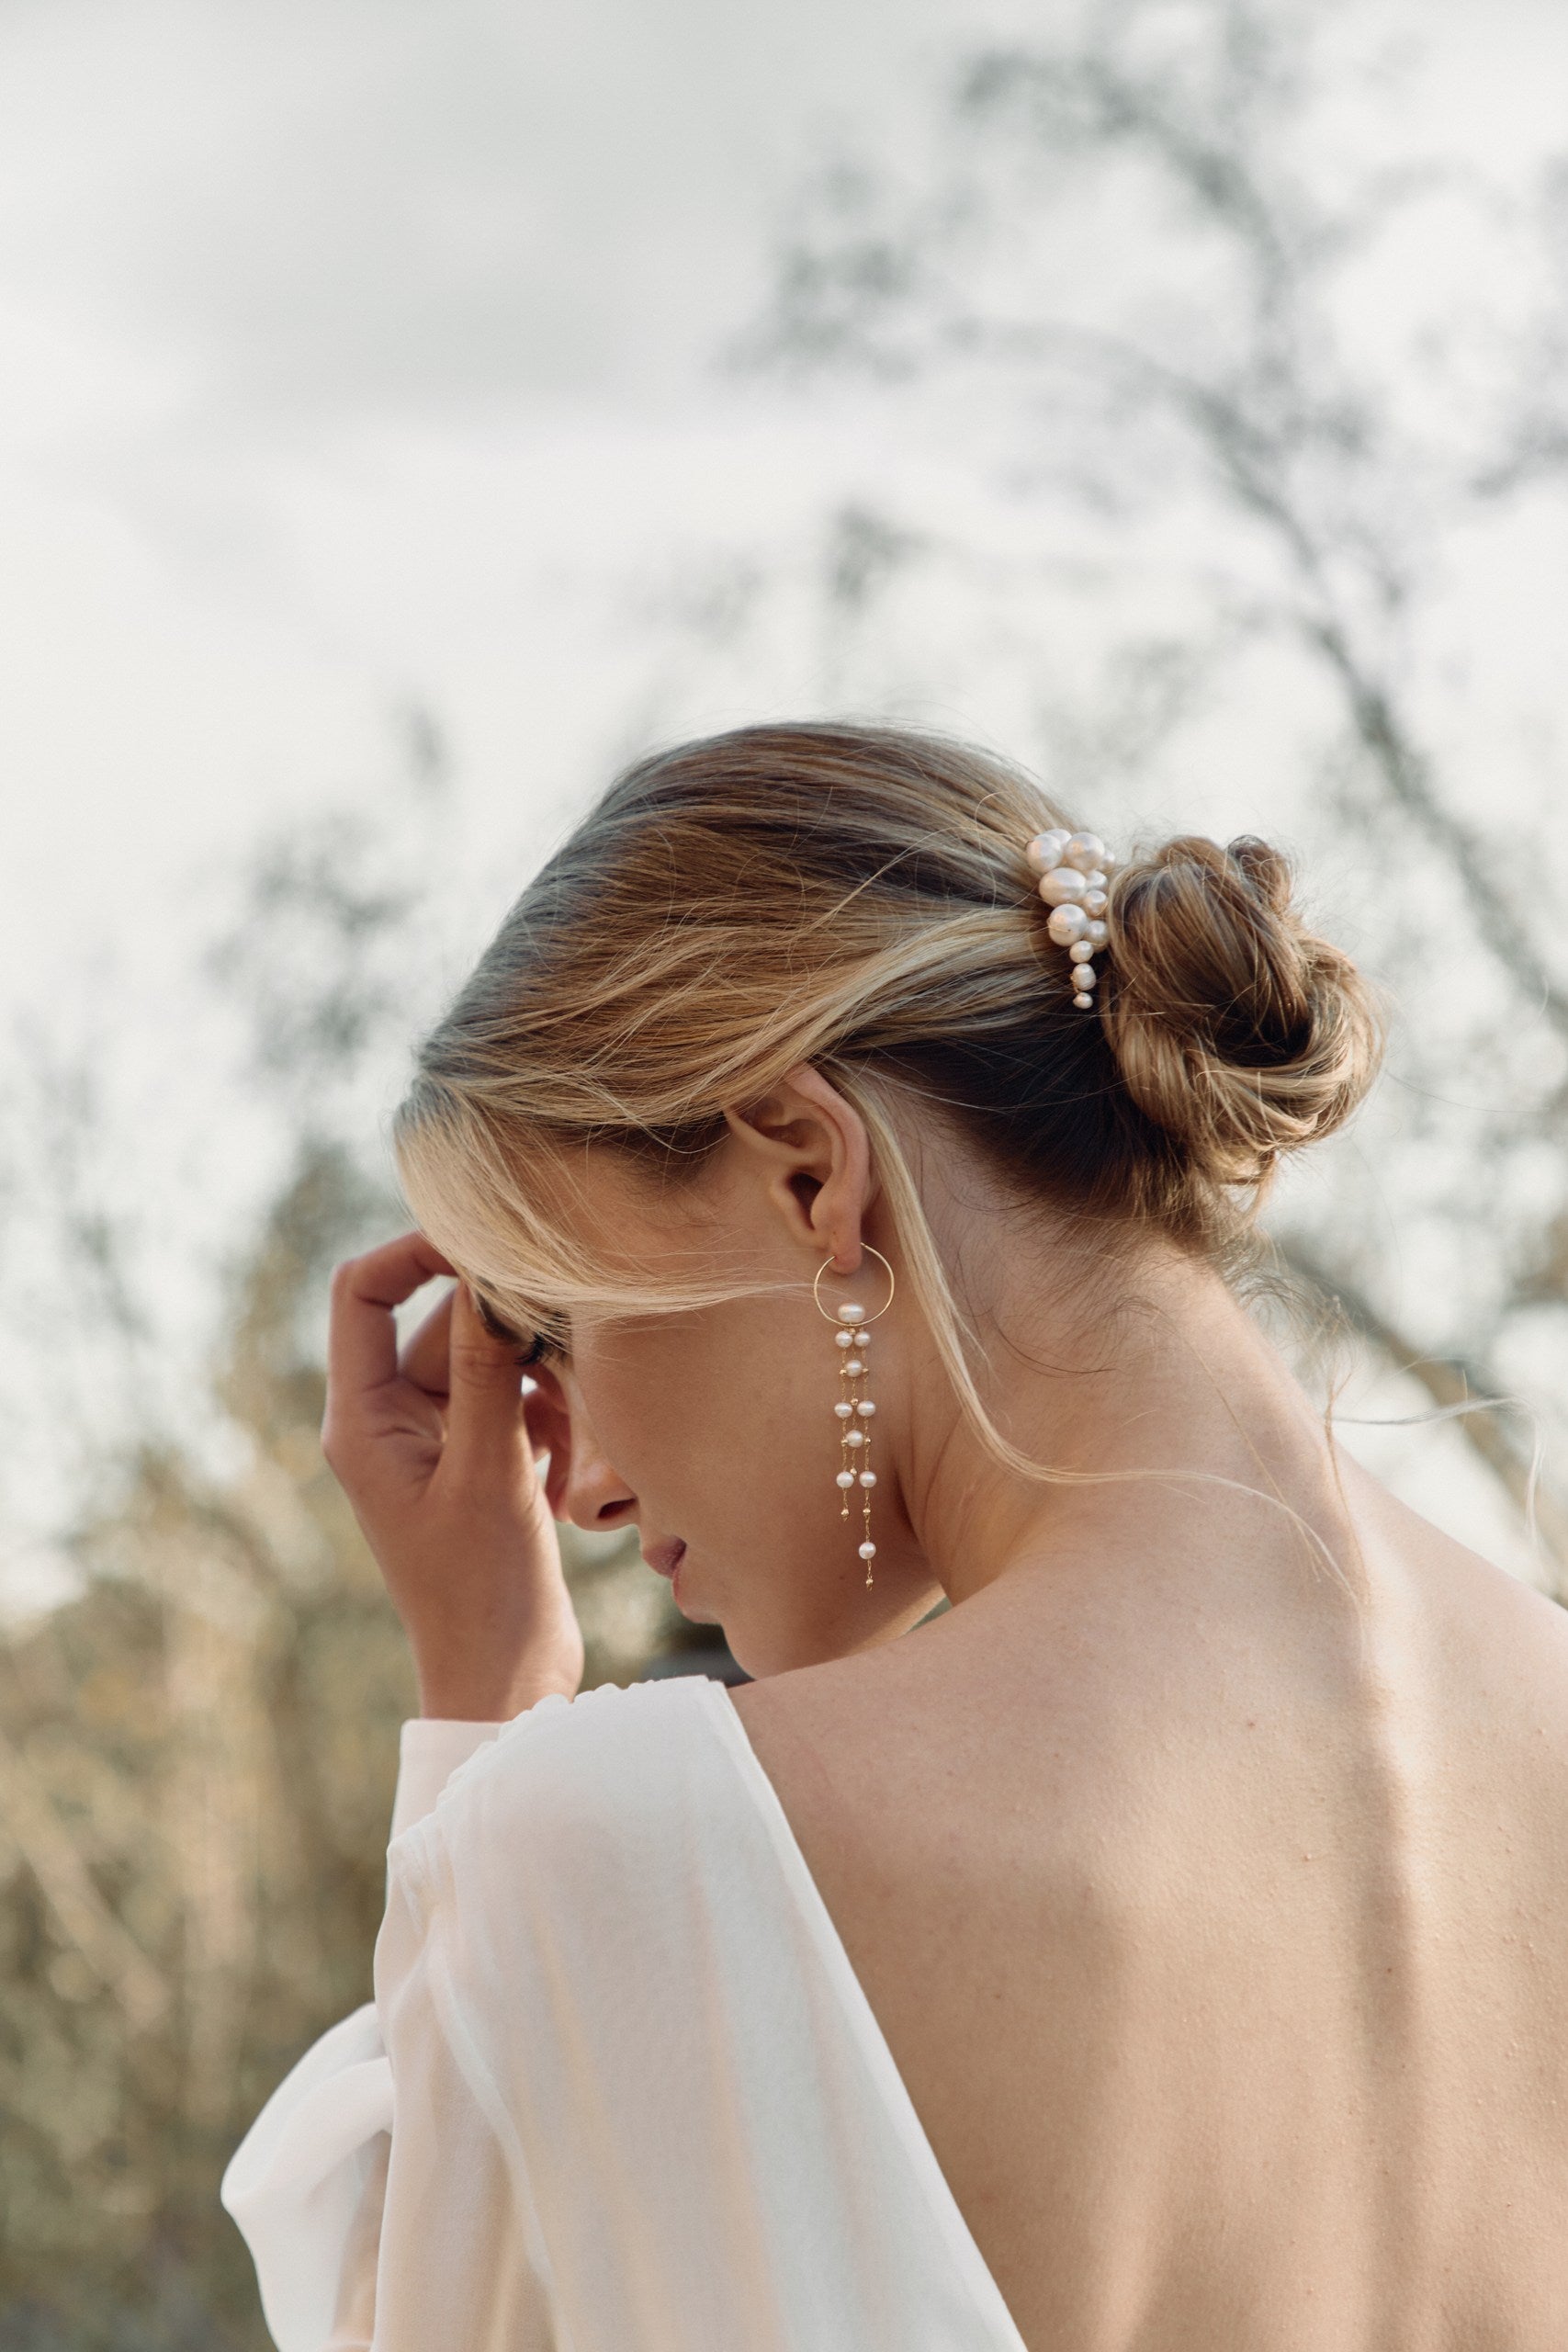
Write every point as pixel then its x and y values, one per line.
pixel 858 898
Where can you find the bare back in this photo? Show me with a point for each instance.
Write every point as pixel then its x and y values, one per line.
pixel 1223 1950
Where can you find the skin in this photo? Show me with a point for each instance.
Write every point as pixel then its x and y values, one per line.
pixel 1201 1864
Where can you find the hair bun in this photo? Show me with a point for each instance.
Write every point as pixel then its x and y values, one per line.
pixel 1238 1029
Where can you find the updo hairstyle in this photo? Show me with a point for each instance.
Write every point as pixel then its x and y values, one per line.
pixel 859 897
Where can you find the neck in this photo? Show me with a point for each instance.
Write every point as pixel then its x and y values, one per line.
pixel 1167 1377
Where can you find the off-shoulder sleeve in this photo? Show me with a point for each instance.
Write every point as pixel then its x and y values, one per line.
pixel 380 2206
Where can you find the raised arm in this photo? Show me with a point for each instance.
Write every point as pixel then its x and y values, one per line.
pixel 372 2188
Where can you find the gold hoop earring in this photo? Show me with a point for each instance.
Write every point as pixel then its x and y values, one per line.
pixel 854 1411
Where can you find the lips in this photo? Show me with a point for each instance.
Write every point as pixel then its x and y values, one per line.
pixel 665 1558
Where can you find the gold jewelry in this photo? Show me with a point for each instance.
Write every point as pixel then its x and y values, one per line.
pixel 854 1410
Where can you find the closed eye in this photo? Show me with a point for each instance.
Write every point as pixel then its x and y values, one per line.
pixel 540 1347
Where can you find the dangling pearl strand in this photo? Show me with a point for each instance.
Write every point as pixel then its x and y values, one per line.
pixel 854 1411
pixel 1075 872
pixel 855 1414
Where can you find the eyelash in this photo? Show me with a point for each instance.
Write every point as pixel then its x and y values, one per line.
pixel 542 1348
pixel 548 1345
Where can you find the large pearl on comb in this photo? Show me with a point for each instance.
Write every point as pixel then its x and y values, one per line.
pixel 1067 924
pixel 1062 887
pixel 1084 850
pixel 1045 850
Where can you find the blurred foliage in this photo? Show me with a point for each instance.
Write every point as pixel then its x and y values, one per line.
pixel 198 1759
pixel 198 1754
pixel 1292 464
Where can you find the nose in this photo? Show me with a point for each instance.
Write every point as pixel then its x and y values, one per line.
pixel 587 1488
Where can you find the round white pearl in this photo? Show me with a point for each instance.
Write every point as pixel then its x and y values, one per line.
pixel 1085 851
pixel 1045 850
pixel 1081 951
pixel 851 1314
pixel 1097 935
pixel 1066 924
pixel 844 1408
pixel 868 1551
pixel 1098 879
pixel 1062 887
pixel 846 1338
pixel 868 1477
pixel 853 1368
pixel 854 1437
pixel 1085 1002
pixel 1096 903
pixel 1087 976
pixel 844 1478
pixel 865 1409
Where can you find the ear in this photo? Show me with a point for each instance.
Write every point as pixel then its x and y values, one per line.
pixel 814 1157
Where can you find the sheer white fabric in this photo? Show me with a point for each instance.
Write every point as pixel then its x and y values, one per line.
pixel 620 2089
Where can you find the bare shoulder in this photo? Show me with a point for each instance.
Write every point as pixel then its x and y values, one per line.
pixel 820 1730
pixel 1044 1709
pixel 1482 1630
pixel 876 1755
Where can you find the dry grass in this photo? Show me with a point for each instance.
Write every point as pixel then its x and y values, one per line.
pixel 198 1758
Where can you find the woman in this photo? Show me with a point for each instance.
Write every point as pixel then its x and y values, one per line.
pixel 1166 1945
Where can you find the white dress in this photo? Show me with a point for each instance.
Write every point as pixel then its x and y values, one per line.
pixel 620 2089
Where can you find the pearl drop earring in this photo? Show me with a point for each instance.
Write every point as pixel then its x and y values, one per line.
pixel 854 1411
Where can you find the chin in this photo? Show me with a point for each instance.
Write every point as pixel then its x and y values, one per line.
pixel 761 1655
pixel 782 1649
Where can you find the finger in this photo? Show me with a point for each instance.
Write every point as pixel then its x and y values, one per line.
pixel 547 1421
pixel 426 1355
pixel 485 1388
pixel 362 1339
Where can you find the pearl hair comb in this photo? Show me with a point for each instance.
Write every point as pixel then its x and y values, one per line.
pixel 1075 872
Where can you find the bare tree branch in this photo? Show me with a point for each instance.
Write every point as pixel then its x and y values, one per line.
pixel 1451 1382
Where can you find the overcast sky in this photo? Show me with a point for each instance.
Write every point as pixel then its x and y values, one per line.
pixel 359 355
pixel 339 345
pixel 348 348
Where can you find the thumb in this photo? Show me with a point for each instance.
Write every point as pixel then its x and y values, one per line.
pixel 484 1414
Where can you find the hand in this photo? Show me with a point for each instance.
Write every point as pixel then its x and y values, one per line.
pixel 435 1453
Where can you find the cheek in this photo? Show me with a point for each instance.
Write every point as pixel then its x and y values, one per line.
pixel 712 1412
pixel 644 1394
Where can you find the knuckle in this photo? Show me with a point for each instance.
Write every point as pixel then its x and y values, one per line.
pixel 480 1364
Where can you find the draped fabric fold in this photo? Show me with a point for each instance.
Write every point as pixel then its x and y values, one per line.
pixel 620 2089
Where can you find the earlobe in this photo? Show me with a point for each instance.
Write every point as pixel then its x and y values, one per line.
pixel 849 1187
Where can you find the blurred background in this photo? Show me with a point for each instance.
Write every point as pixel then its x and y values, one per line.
pixel 407 415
